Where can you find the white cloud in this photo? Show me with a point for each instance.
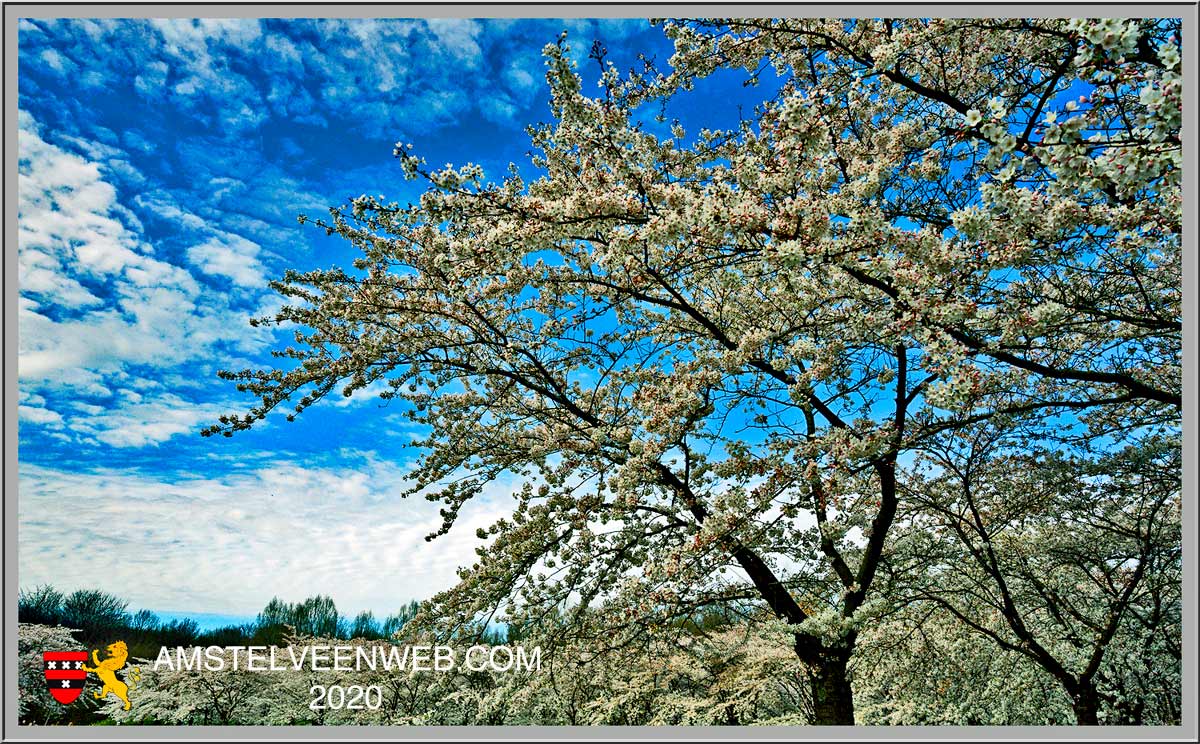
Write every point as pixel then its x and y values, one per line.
pixel 69 232
pixel 68 217
pixel 161 204
pixel 368 394
pixel 152 79
pixel 40 274
pixel 57 62
pixel 136 422
pixel 499 110
pixel 459 38
pixel 195 35
pixel 98 309
pixel 39 415
pixel 230 256
pixel 231 542
pixel 519 78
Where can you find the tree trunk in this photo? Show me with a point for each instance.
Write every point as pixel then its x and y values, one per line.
pixel 833 700
pixel 1086 704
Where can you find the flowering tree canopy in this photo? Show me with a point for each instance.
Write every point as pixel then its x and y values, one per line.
pixel 1071 562
pixel 710 353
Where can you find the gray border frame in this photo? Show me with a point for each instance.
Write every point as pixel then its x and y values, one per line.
pixel 1187 731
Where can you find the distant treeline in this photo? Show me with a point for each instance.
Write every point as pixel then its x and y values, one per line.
pixel 102 618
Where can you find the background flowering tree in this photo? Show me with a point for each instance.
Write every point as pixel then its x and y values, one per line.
pixel 1073 563
pixel 709 354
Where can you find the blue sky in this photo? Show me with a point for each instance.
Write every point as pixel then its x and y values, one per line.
pixel 162 167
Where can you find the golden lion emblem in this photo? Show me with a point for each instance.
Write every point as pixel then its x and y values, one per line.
pixel 118 654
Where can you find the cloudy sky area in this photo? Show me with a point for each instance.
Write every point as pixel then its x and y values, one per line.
pixel 162 167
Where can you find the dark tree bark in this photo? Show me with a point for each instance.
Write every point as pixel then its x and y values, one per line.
pixel 833 699
pixel 1085 701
